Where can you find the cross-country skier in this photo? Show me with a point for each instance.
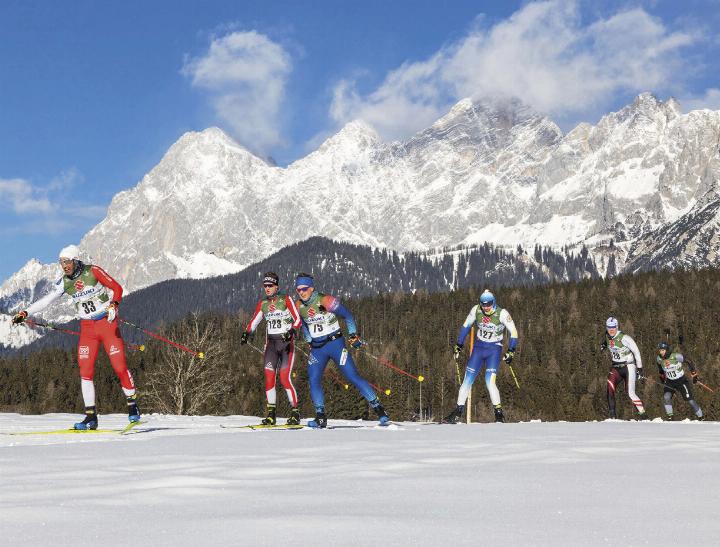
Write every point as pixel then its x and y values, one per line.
pixel 491 322
pixel 96 297
pixel 674 380
pixel 321 329
pixel 283 322
pixel 626 365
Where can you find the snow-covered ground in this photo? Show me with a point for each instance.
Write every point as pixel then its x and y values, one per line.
pixel 179 481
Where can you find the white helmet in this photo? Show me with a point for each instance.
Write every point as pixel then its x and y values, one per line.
pixel 71 251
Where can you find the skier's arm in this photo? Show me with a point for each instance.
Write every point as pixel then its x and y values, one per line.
pixel 104 279
pixel 507 320
pixel 58 289
pixel 632 346
pixel 466 326
pixel 332 304
pixel 290 304
pixel 256 318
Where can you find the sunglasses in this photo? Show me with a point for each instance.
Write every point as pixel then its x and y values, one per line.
pixel 302 289
pixel 267 285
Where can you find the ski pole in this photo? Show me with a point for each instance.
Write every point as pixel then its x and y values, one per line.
pixel 711 390
pixel 33 323
pixel 514 377
pixel 198 354
pixel 383 361
pixel 457 371
pixel 660 384
pixel 255 348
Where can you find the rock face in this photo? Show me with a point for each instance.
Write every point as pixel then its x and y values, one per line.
pixel 644 177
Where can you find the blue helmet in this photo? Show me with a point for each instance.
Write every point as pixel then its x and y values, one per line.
pixel 487 298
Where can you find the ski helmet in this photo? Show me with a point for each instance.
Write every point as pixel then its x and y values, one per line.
pixel 71 251
pixel 665 346
pixel 487 298
pixel 611 323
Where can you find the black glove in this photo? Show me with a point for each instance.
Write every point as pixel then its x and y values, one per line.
pixel 19 318
pixel 639 374
pixel 322 308
pixel 289 335
pixel 603 345
pixel 355 341
pixel 662 378
pixel 695 377
pixel 457 348
pixel 244 338
pixel 508 357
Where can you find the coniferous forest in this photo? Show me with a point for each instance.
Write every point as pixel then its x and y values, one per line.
pixel 559 365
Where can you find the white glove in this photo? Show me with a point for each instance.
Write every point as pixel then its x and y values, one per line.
pixel 111 312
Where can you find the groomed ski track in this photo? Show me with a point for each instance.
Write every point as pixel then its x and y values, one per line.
pixel 187 481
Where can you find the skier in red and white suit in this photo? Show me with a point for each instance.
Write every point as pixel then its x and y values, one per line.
pixel 96 297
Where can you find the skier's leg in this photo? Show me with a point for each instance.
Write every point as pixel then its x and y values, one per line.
pixel 115 348
pixel 347 367
pixel 612 382
pixel 667 401
pixel 474 364
pixel 687 394
pixel 696 408
pixel 270 359
pixel 630 380
pixel 491 370
pixel 316 368
pixel 287 360
pixel 87 354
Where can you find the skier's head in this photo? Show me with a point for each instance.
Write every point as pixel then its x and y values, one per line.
pixel 487 302
pixel 69 259
pixel 663 349
pixel 270 283
pixel 304 286
pixel 611 325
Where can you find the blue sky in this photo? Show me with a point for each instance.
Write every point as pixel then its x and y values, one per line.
pixel 93 93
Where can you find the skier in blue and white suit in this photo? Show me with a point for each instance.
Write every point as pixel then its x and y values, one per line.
pixel 490 322
pixel 321 329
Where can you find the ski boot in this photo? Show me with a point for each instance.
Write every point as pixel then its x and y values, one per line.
pixel 669 418
pixel 320 421
pixel 642 417
pixel 133 410
pixel 454 416
pixel 383 418
pixel 499 416
pixel 294 418
pixel 90 421
pixel 700 418
pixel 270 417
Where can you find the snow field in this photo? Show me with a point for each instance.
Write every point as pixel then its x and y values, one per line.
pixel 187 481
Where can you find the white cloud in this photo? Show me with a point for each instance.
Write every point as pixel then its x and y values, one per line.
pixel 245 74
pixel 23 197
pixel 44 208
pixel 710 99
pixel 544 54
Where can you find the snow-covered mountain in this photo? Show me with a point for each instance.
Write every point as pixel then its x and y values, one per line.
pixel 487 171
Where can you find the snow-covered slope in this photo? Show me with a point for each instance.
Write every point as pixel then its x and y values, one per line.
pixel 185 481
pixel 487 171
